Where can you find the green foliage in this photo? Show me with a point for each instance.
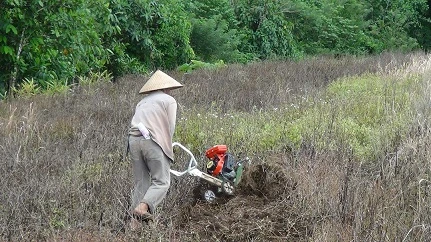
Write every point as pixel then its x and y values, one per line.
pixel 355 27
pixel 195 64
pixel 28 88
pixel 154 32
pixel 330 27
pixel 423 31
pixel 50 40
pixel 3 95
pixel 214 33
pixel 267 32
pixel 94 78
pixel 218 10
pixel 121 63
pixel 172 39
pixel 391 21
pixel 54 87
pixel 211 40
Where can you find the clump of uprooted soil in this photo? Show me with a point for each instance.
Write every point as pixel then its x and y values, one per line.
pixel 261 210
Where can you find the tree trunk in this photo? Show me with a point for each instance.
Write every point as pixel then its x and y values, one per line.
pixel 14 74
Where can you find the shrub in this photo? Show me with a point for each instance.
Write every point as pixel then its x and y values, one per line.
pixel 364 112
pixel 29 87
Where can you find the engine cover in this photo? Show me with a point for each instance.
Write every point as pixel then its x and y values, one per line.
pixel 221 163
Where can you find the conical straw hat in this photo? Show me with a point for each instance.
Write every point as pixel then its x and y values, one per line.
pixel 159 80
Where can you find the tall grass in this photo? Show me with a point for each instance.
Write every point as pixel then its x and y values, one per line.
pixel 339 148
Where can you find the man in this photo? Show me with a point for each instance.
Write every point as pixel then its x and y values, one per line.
pixel 150 142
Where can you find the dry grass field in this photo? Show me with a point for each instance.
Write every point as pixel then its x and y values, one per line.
pixel 340 150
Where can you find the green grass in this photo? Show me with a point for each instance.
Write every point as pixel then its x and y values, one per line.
pixel 364 113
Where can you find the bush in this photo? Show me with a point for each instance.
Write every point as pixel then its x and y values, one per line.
pixel 212 40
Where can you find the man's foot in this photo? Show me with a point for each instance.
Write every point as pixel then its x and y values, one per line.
pixel 141 209
pixel 141 213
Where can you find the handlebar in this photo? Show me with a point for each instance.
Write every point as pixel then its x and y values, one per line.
pixel 192 167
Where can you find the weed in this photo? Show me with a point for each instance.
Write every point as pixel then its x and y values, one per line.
pixel 339 150
pixel 27 88
pixel 94 78
pixel 54 87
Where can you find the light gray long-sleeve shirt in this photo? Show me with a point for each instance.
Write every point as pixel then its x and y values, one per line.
pixel 157 111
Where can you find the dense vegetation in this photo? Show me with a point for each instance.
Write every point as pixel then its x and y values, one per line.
pixel 47 45
pixel 339 150
pixel 336 123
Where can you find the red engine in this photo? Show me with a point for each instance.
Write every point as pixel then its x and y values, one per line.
pixel 220 161
pixel 216 154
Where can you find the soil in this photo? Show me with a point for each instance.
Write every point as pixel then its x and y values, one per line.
pixel 261 210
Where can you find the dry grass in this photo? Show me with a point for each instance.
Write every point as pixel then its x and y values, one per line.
pixel 271 84
pixel 66 177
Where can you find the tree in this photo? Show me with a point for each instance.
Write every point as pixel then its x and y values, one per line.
pixel 267 30
pixel 214 33
pixel 50 40
pixel 154 32
pixel 392 23
pixel 421 30
pixel 327 26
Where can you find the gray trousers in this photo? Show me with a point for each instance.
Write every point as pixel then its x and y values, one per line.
pixel 151 172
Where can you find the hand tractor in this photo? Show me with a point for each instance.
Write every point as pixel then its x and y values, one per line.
pixel 223 173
